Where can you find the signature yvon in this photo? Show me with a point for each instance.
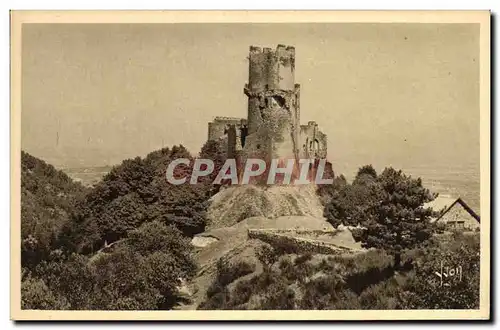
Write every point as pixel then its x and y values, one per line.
pixel 446 274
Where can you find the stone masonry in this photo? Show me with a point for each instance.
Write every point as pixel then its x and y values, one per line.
pixel 272 129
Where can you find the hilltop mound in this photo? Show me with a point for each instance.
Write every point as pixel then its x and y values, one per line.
pixel 235 211
pixel 235 204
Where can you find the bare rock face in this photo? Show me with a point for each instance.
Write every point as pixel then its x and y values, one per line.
pixel 235 204
pixel 203 241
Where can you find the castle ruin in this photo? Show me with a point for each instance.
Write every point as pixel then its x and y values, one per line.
pixel 272 129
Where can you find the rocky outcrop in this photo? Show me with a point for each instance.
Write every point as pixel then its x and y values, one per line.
pixel 237 203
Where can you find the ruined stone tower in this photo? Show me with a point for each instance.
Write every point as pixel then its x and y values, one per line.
pixel 272 129
pixel 273 103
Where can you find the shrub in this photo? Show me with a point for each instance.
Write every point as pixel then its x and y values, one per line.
pixel 242 293
pixel 321 292
pixel 219 300
pixel 278 297
pixel 228 273
pixel 140 273
pixel 35 294
pixel 71 279
pixel 303 258
pixel 357 234
pixel 364 281
pixel 424 290
pixel 156 237
pixel 267 255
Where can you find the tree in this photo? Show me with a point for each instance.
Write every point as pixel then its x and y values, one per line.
pixel 141 272
pixel 36 295
pixel 354 204
pixel 401 221
pixel 183 206
pixel 48 198
pixel 155 237
pixel 133 205
pixel 389 206
pixel 329 191
pixel 216 151
pixel 70 279
pixel 133 193
pixel 365 175
pixel 123 282
pixel 163 274
pixel 267 255
pixel 144 271
pixel 122 214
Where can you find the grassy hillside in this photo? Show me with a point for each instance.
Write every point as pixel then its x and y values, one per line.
pixel 363 281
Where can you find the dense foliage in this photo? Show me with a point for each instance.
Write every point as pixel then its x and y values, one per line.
pixel 458 256
pixel 68 232
pixel 364 281
pixel 136 192
pixel 389 206
pixel 48 199
pixel 143 272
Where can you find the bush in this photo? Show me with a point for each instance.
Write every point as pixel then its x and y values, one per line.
pixel 123 283
pixel 142 272
pixel 363 281
pixel 357 234
pixel 267 255
pixel 322 292
pixel 278 297
pixel 303 258
pixel 71 279
pixel 242 293
pixel 227 273
pixel 156 237
pixel 425 290
pixel 35 294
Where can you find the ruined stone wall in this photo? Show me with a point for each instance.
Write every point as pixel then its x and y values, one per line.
pixel 297 115
pixel 298 245
pixel 218 127
pixel 232 136
pixel 313 142
pixel 232 130
pixel 216 130
pixel 236 140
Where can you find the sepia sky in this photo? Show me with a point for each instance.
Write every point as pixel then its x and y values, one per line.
pixel 405 95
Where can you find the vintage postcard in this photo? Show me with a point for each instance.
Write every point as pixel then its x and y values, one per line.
pixel 250 165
